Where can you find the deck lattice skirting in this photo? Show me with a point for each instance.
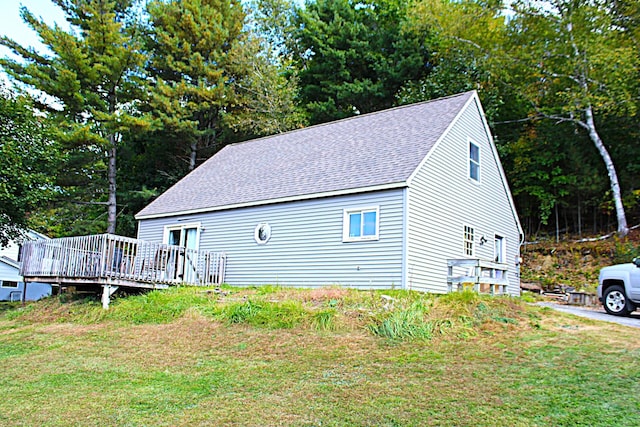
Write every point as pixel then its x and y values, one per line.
pixel 484 276
pixel 111 260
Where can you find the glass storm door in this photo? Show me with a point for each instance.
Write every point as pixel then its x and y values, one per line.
pixel 187 262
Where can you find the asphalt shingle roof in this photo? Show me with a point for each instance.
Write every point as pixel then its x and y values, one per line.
pixel 369 150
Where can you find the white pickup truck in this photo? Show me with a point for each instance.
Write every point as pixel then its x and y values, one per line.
pixel 619 288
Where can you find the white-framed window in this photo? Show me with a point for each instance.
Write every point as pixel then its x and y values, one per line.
pixel 186 235
pixel 474 162
pixel 262 233
pixel 361 224
pixel 468 240
pixel 8 284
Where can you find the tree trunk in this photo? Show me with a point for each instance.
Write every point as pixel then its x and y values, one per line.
pixel 579 218
pixel 557 224
pixel 193 155
pixel 111 176
pixel 623 229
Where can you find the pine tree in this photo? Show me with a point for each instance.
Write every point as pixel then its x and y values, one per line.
pixel 354 56
pixel 92 82
pixel 191 42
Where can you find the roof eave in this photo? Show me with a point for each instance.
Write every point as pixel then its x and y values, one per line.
pixel 10 262
pixel 381 187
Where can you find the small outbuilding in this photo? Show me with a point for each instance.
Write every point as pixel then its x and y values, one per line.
pixel 412 197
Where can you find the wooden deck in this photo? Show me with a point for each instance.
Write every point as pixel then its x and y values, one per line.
pixel 482 276
pixel 110 260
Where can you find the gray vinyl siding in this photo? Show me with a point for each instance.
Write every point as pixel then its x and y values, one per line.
pixel 306 247
pixel 442 199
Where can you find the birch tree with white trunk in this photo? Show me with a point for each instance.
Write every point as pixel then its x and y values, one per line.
pixel 567 58
pixel 574 65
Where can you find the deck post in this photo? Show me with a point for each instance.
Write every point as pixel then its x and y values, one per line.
pixel 24 292
pixel 107 291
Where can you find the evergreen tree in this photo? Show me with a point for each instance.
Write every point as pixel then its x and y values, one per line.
pixel 354 56
pixel 93 76
pixel 212 77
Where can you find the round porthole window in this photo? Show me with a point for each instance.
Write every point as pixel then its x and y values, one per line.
pixel 262 233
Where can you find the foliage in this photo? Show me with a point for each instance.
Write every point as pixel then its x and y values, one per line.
pixel 283 315
pixel 274 21
pixel 266 97
pixel 28 160
pixel 538 170
pixel 406 323
pixel 92 81
pixel 210 74
pixel 354 56
pixel 562 60
pixel 396 315
pixel 148 94
pixel 191 43
pixel 572 63
pixel 449 29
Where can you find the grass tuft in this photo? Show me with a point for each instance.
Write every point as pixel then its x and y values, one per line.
pixel 272 315
pixel 324 320
pixel 406 323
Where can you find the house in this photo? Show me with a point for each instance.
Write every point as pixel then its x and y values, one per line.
pixel 11 283
pixel 412 197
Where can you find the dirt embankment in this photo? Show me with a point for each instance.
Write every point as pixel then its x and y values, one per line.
pixel 576 264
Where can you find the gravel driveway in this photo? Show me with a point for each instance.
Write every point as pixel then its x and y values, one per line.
pixel 595 313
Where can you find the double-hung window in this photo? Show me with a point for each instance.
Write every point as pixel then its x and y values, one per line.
pixel 361 224
pixel 474 162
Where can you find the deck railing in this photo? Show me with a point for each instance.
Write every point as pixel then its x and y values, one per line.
pixel 108 258
pixel 483 276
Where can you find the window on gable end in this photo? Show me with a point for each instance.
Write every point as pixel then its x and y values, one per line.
pixel 468 240
pixel 474 162
pixel 360 224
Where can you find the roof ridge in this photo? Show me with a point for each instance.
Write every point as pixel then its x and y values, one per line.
pixel 357 116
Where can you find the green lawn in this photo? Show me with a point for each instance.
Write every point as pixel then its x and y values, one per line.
pixel 331 357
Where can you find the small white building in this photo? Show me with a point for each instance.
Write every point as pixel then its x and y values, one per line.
pixel 413 197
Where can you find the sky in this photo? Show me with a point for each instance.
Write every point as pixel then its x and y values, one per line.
pixel 12 26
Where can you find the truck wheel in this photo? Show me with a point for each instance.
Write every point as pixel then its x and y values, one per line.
pixel 615 301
